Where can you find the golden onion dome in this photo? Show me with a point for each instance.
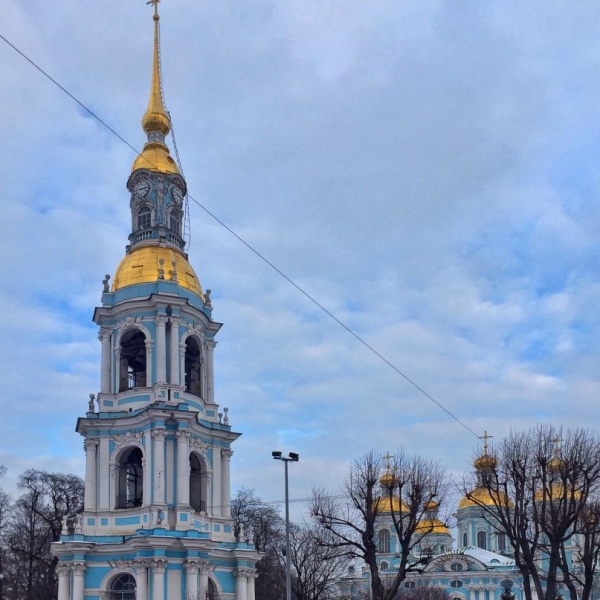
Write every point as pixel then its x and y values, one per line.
pixel 556 491
pixel 431 526
pixel 485 462
pixel 482 496
pixel 387 479
pixel 431 505
pixel 155 157
pixel 142 265
pixel 384 505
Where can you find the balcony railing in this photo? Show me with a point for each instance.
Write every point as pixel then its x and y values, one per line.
pixel 129 501
pixel 133 380
pixel 198 504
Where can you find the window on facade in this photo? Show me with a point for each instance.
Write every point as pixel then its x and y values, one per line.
pixel 383 546
pixel 456 566
pixel 130 484
pixel 465 540
pixel 192 367
pixel 502 542
pixel 175 222
pixel 197 484
pixel 456 584
pixel 144 218
pixel 211 592
pixel 384 566
pixel 409 584
pixel 481 540
pixel 123 587
pixel 133 360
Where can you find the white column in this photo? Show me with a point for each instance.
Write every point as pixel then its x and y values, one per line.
pixel 226 484
pixel 174 351
pixel 183 467
pixel 158 579
pixel 161 349
pixel 241 584
pixel 251 579
pixel 105 477
pixel 205 569
pixel 104 337
pixel 149 345
pixel 147 468
pixel 159 465
pixel 90 474
pixel 217 503
pixel 117 380
pixel 210 379
pixel 141 580
pixel 78 570
pixel 64 581
pixel 191 579
pixel 182 363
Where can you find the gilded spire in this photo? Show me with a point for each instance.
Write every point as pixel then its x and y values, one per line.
pixel 156 119
pixel 156 123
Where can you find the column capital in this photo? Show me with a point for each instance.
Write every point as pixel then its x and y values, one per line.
pixel 191 565
pixel 226 454
pixel 62 569
pixel 159 434
pixel 206 568
pixel 161 319
pixel 182 435
pixel 105 332
pixel 159 565
pixel 242 573
pixel 90 444
pixel 141 565
pixel 78 568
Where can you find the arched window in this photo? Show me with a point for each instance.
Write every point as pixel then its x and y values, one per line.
pixel 482 540
pixel 465 539
pixel 383 547
pixel 501 542
pixel 133 360
pixel 384 566
pixel 193 369
pixel 130 484
pixel 123 587
pixel 144 218
pixel 197 484
pixel 211 593
pixel 175 222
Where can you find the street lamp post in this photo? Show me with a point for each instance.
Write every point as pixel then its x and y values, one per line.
pixel 292 457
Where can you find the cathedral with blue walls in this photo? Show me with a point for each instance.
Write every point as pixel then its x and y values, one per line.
pixel 157 522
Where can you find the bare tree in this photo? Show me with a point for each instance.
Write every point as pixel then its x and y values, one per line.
pixel 403 489
pixel 317 564
pixel 262 521
pixel 538 485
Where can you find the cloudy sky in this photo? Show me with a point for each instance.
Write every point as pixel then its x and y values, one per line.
pixel 427 170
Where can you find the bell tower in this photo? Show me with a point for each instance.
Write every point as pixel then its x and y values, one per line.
pixel 156 523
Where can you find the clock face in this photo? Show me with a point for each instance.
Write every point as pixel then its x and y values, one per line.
pixel 177 195
pixel 141 188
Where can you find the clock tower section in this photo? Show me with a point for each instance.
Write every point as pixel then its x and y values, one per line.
pixel 157 523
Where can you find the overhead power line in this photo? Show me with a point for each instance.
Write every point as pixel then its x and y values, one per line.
pixel 253 250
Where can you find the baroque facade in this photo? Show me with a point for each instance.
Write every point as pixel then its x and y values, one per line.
pixel 156 523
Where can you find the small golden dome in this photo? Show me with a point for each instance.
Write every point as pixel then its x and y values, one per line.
pixel 431 526
pixel 481 496
pixel 142 266
pixel 155 157
pixel 556 491
pixel 383 505
pixel 431 505
pixel 485 463
pixel 387 479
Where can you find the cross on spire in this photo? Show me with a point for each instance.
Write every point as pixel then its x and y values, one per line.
pixel 485 437
pixel 155 2
pixel 387 458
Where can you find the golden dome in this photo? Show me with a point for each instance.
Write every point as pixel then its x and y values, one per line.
pixel 481 496
pixel 142 266
pixel 384 505
pixel 556 491
pixel 431 505
pixel 485 462
pixel 431 526
pixel 387 479
pixel 155 157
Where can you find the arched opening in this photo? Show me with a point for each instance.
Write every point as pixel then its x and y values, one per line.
pixel 384 566
pixel 481 540
pixel 175 222
pixel 501 542
pixel 465 540
pixel 197 484
pixel 130 483
pixel 123 587
pixel 211 592
pixel 133 360
pixel 193 369
pixel 144 218
pixel 383 545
